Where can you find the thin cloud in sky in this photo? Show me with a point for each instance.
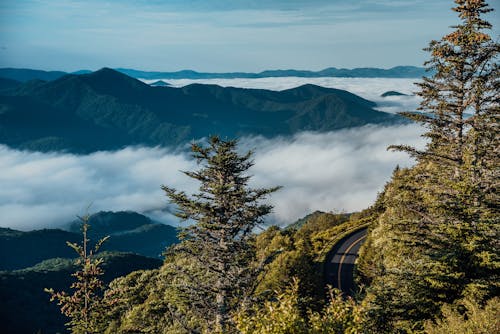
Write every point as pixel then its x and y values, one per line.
pixel 219 35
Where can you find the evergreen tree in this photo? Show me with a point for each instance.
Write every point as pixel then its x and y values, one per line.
pixel 437 239
pixel 461 102
pixel 225 212
pixel 465 82
pixel 84 307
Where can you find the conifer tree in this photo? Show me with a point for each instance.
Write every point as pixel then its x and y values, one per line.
pixel 84 306
pixel 225 213
pixel 462 110
pixel 438 237
pixel 465 83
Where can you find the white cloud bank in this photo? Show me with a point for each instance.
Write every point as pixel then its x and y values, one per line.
pixel 340 170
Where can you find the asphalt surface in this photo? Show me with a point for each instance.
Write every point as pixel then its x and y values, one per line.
pixel 339 266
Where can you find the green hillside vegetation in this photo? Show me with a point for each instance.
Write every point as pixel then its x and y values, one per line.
pixel 119 110
pixel 434 248
pixel 24 249
pixel 25 307
pixel 154 301
pixel 129 232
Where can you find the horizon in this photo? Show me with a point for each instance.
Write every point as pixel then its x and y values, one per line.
pixel 220 37
pixel 198 71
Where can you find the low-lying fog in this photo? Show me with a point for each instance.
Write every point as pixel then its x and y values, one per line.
pixel 336 171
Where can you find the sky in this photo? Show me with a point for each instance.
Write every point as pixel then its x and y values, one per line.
pixel 220 35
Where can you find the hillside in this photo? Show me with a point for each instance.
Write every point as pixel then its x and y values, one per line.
pixel 129 231
pixel 25 74
pixel 26 308
pixel 119 110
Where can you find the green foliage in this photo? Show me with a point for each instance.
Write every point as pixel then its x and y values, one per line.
pixel 339 316
pixel 225 212
pixel 284 315
pixel 436 238
pixel 24 249
pixel 25 307
pixel 84 307
pixel 163 301
pixel 467 316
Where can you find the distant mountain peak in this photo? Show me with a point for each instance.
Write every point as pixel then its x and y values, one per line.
pixel 160 83
pixel 392 93
pixel 107 72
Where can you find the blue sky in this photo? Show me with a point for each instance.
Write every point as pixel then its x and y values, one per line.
pixel 220 35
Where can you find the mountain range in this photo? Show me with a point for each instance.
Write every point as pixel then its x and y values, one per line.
pixel 364 72
pixel 107 110
pixel 34 260
pixel 23 75
pixel 128 231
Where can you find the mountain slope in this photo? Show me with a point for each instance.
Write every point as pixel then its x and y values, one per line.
pixel 128 231
pixel 108 110
pixel 25 74
pixel 25 307
pixel 8 84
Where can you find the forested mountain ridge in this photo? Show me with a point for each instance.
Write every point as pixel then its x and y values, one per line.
pixel 130 231
pixel 119 110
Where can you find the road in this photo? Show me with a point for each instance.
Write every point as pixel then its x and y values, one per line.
pixel 339 266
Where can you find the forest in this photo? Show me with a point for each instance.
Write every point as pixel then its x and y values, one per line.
pixel 430 262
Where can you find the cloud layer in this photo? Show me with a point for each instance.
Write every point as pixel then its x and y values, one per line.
pixel 341 170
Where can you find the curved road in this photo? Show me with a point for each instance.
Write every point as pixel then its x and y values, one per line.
pixel 340 260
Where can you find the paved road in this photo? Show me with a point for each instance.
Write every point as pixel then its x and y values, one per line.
pixel 339 264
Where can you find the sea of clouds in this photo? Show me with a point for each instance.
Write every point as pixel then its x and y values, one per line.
pixel 336 171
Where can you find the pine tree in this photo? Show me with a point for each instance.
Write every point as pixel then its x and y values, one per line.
pixel 461 102
pixel 438 237
pixel 84 306
pixel 225 213
pixel 465 82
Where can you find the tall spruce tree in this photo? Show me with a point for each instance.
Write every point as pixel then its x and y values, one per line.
pixel 437 240
pixel 464 83
pixel 225 213
pixel 462 110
